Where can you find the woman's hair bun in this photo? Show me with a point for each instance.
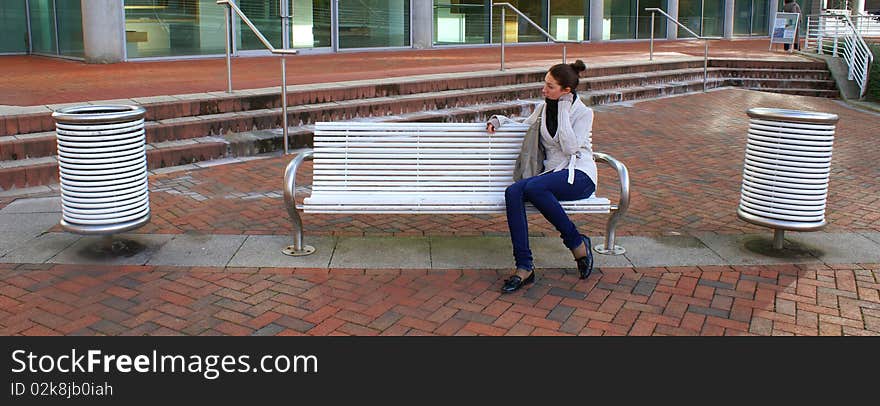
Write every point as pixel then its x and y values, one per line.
pixel 578 66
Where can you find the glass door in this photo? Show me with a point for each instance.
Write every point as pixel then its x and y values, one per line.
pixel 704 17
pixel 13 27
pixel 311 26
pixel 518 29
pixel 56 27
pixel 373 23
pixel 42 18
pixel 627 19
pixel 68 23
pixel 570 19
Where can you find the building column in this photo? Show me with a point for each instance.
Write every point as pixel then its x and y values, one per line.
pixel 728 19
pixel 422 24
pixel 671 27
pixel 103 31
pixel 597 15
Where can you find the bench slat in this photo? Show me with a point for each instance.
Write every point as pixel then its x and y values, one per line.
pixel 325 167
pixel 418 168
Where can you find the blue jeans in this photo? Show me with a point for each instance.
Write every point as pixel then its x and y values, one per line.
pixel 544 192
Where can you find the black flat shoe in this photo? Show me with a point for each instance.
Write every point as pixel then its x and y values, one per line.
pixel 513 283
pixel 585 264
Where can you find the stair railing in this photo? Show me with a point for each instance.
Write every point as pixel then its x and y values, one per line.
pixel 836 35
pixel 868 26
pixel 505 6
pixel 283 52
pixel 655 10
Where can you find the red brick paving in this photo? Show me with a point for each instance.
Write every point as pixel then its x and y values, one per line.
pixel 36 80
pixel 684 155
pixel 739 300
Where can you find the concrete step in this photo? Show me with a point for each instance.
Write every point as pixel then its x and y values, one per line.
pixel 764 73
pixel 806 84
pixel 765 63
pixel 833 94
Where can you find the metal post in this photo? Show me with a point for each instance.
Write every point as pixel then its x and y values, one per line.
pixel 503 34
pixel 284 129
pixel 651 55
pixel 563 52
pixel 706 65
pixel 228 15
pixel 836 35
pixel 284 10
pixel 778 238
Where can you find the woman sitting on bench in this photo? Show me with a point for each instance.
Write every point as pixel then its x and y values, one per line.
pixel 569 172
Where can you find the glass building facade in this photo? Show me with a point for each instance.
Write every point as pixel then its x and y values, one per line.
pixel 704 17
pixel 188 28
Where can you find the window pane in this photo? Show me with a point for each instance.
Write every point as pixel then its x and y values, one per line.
pixel 13 27
pixel 645 19
pixel 713 18
pixel 70 36
pixel 42 26
pixel 174 28
pixel 620 19
pixel 760 19
pixel 690 14
pixel 311 24
pixel 742 17
pixel 569 19
pixel 373 23
pixel 265 16
pixel 461 22
pixel 518 29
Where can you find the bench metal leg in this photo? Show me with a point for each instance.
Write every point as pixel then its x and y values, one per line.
pixel 609 248
pixel 297 249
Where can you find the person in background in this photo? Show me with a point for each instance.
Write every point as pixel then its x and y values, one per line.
pixel 791 6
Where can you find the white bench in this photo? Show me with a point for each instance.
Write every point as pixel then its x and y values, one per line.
pixel 448 168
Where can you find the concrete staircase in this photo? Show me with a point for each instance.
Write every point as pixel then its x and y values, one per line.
pixel 189 128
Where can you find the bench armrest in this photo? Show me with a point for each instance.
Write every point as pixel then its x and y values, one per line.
pixel 622 204
pixel 289 190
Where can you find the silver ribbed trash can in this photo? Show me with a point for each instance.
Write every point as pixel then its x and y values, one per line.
pixel 102 162
pixel 786 170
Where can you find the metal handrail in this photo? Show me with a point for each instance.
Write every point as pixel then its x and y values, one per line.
pixel 655 10
pixel 856 53
pixel 528 20
pixel 283 52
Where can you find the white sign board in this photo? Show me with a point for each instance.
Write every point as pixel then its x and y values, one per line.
pixel 784 28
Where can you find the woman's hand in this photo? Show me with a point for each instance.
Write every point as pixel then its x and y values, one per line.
pixel 493 124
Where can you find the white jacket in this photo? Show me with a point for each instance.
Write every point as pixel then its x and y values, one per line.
pixel 572 147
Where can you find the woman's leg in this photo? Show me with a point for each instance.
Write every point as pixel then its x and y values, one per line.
pixel 518 224
pixel 545 192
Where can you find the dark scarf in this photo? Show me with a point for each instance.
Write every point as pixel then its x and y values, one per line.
pixel 552 107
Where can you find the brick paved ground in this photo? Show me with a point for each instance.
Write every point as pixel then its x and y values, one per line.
pixel 684 155
pixel 762 300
